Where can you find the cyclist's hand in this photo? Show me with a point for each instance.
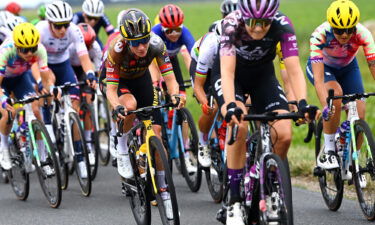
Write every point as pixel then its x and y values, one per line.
pixel 41 89
pixel 178 100
pixel 328 113
pixel 6 103
pixel 119 113
pixel 310 112
pixel 55 92
pixel 234 113
pixel 206 109
pixel 91 79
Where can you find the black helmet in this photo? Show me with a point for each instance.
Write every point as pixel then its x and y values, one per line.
pixel 135 24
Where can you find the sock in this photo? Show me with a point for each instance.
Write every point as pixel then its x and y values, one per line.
pixel 160 178
pixel 87 134
pixel 187 155
pixel 78 150
pixel 42 150
pixel 113 128
pixel 122 145
pixel 329 142
pixel 46 114
pixel 4 140
pixel 187 143
pixel 234 176
pixel 202 138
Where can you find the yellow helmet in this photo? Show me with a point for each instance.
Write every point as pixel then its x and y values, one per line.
pixel 25 35
pixel 343 14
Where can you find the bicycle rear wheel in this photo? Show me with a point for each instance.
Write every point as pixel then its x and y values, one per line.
pixel 86 110
pixel 215 174
pixel 48 169
pixel 157 151
pixel 330 181
pixel 277 192
pixel 103 130
pixel 81 153
pixel 18 177
pixel 190 141
pixel 364 172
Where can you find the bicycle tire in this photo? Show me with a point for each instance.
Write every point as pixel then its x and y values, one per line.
pixel 139 200
pixel 54 201
pixel 85 183
pixel 4 176
pixel 272 180
pixel 21 187
pixel 333 201
pixel 156 147
pixel 366 207
pixel 60 154
pixel 193 180
pixel 215 181
pixel 84 110
pixel 104 128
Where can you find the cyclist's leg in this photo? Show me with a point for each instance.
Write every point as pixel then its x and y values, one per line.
pixel 177 72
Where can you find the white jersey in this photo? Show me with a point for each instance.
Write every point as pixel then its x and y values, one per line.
pixel 4 34
pixel 57 48
pixel 204 52
pixel 95 53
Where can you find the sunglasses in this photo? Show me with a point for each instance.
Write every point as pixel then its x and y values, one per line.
pixel 339 31
pixel 258 22
pixel 136 43
pixel 171 30
pixel 26 50
pixel 60 26
pixel 92 17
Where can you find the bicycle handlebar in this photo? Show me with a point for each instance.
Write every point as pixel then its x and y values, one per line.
pixel 350 97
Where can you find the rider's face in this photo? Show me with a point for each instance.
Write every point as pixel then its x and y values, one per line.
pixel 140 50
pixel 59 30
pixel 257 32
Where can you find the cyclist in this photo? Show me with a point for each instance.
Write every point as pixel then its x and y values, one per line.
pixel 245 64
pixel 175 35
pixel 93 14
pixel 15 9
pixel 18 55
pixel 226 7
pixel 41 14
pixel 95 54
pixel 333 65
pixel 9 20
pixel 129 84
pixel 57 34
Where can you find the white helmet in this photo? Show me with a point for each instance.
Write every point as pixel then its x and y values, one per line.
pixel 12 21
pixel 59 11
pixel 119 17
pixel 4 15
pixel 94 8
pixel 228 6
pixel 218 29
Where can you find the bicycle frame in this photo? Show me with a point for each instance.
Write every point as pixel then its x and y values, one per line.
pixel 214 127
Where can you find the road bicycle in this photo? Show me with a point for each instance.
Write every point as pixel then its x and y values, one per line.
pixel 144 186
pixel 355 148
pixel 30 142
pixel 70 140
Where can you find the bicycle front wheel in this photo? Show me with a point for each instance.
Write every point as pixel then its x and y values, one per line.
pixel 81 158
pixel 277 201
pixel 330 181
pixel 364 172
pixel 103 130
pixel 170 202
pixel 48 168
pixel 215 174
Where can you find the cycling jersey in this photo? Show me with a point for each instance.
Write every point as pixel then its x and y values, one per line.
pixel 122 63
pixel 236 41
pixel 204 53
pixel 95 54
pixel 12 65
pixel 174 47
pixel 57 48
pixel 4 34
pixel 325 48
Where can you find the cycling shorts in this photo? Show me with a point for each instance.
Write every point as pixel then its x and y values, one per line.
pixel 20 85
pixel 64 73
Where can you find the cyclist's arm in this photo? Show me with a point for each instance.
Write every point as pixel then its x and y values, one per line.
pixel 35 72
pixel 297 78
pixel 199 90
pixel 154 71
pixel 112 82
pixel 368 43
pixel 172 85
pixel 186 56
pixel 109 29
pixel 228 66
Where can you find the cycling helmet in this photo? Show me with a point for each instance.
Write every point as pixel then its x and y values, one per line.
pixel 94 8
pixel 42 11
pixel 59 12
pixel 4 15
pixel 218 29
pixel 119 17
pixel 171 16
pixel 228 6
pixel 13 7
pixel 88 33
pixel 25 35
pixel 12 21
pixel 343 14
pixel 135 25
pixel 258 9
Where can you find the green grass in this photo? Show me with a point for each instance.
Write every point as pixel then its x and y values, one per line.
pixel 306 15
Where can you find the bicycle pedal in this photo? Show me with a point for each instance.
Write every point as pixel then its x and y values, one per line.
pixel 318 172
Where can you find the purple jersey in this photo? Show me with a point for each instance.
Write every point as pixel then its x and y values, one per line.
pixel 236 41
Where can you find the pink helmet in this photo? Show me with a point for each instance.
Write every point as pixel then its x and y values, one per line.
pixel 259 9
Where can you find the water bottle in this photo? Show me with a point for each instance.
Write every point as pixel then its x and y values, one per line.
pixel 170 118
pixel 343 132
pixel 249 182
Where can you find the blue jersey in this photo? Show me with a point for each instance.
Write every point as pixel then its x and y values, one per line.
pixel 103 22
pixel 174 47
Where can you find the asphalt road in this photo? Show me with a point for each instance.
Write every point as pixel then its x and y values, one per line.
pixel 106 205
